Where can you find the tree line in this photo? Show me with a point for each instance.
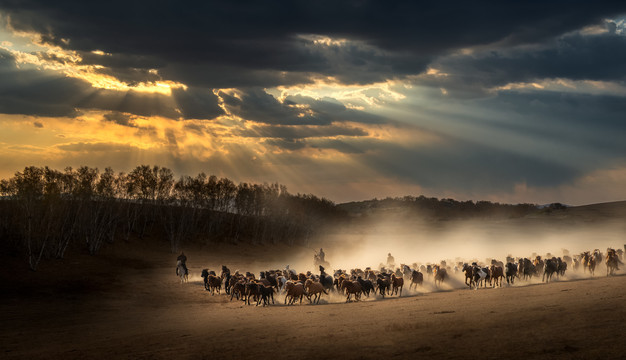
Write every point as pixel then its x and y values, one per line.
pixel 434 208
pixel 44 211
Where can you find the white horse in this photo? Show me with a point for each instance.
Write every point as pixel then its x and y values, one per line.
pixel 182 272
pixel 479 276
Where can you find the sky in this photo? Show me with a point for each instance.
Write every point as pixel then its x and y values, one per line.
pixel 347 100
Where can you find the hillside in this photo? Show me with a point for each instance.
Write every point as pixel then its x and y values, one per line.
pixel 449 209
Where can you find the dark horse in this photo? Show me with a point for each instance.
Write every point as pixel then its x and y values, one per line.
pixel 326 280
pixel 225 275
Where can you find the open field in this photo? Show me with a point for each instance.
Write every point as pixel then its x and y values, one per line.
pixel 129 304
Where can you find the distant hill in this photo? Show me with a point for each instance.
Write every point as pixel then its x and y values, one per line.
pixel 615 210
pixel 449 209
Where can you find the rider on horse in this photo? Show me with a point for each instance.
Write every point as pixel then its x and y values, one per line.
pixel 319 258
pixel 391 262
pixel 183 260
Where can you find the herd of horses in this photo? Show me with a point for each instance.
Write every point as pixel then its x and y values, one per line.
pixel 355 283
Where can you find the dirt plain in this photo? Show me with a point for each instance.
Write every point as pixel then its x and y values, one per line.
pixel 120 306
pixel 127 303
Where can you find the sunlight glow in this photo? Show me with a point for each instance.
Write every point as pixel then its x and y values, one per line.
pixel 54 58
pixel 324 40
pixel 355 96
pixel 566 85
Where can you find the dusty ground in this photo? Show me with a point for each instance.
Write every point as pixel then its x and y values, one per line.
pixel 129 304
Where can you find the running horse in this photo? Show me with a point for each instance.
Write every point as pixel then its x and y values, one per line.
pixel 182 272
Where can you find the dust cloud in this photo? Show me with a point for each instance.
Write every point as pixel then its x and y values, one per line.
pixel 465 241
pixel 458 241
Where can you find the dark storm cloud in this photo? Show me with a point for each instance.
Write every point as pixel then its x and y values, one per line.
pixel 30 91
pixel 130 76
pixel 117 61
pixel 600 57
pixel 341 145
pixel 286 144
pixel 228 76
pixel 130 69
pixel 253 43
pixel 335 110
pixel 301 132
pixel 132 102
pixel 197 103
pixel 345 145
pixel 591 123
pixel 258 106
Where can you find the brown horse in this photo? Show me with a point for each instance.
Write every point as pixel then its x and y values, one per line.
pixel 497 275
pixel 214 284
pixel 591 263
pixel 314 289
pixel 396 283
pixel 294 291
pixel 352 287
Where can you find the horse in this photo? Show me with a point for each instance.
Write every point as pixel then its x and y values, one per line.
pixel 407 272
pixel 511 272
pixel 612 262
pixel 417 278
pixel 314 289
pixel 585 259
pixel 384 284
pixel 561 267
pixel 294 291
pixel 366 285
pixel 225 275
pixel 440 274
pixel 252 289
pixel 318 261
pixel 213 283
pixel 551 267
pixel 496 275
pixel 539 264
pixel 468 271
pixel 479 276
pixel 182 272
pixel 326 279
pixel 352 287
pixel 205 275
pixel 528 269
pixel 591 264
pixel 267 293
pixel 397 283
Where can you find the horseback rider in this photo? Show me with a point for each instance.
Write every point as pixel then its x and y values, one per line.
pixel 183 260
pixel 391 261
pixel 321 255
